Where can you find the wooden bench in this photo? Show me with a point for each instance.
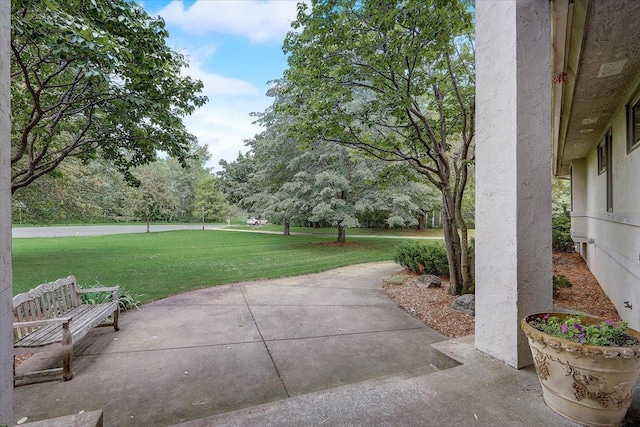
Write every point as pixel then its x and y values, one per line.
pixel 52 316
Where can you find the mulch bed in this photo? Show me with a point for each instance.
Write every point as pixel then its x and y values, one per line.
pixel 433 306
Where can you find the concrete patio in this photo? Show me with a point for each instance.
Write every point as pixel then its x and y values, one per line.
pixel 322 349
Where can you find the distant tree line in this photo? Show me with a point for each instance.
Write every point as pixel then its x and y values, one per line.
pixel 164 190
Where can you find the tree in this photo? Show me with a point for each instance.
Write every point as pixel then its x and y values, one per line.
pixel 94 78
pixel 274 166
pixel 561 196
pixel 405 197
pixel 235 180
pixel 182 179
pixel 153 199
pixel 308 180
pixel 209 203
pixel 396 80
pixel 74 192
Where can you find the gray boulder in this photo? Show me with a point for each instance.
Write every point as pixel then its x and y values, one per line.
pixel 466 304
pixel 427 281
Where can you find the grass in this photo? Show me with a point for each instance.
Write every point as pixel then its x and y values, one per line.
pixel 157 265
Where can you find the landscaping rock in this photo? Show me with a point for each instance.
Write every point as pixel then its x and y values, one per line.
pixel 466 304
pixel 427 281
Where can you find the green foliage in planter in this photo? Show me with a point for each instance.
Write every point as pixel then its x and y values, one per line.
pixel 423 258
pixel 572 328
pixel 560 281
pixel 127 300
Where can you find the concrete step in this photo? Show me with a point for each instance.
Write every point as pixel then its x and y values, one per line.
pixel 479 392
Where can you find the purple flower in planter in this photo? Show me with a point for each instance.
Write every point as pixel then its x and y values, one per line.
pixel 610 322
pixel 546 316
pixel 578 326
pixel 563 328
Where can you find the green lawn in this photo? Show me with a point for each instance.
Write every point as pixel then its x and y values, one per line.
pixel 156 265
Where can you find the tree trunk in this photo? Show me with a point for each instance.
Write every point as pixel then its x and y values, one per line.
pixel 452 241
pixel 148 221
pixel 287 227
pixel 467 278
pixel 421 222
pixel 342 233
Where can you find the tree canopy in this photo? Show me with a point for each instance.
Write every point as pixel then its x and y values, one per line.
pixel 94 79
pixel 395 79
pixel 307 180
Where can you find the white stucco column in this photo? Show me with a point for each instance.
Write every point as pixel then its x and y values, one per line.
pixel 513 173
pixel 6 288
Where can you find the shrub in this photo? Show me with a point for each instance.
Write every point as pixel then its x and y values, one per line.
pixel 560 281
pixel 423 258
pixel 127 300
pixel 561 232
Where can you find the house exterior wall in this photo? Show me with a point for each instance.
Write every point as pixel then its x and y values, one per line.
pixel 611 243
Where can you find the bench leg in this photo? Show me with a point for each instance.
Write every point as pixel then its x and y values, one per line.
pixel 115 320
pixel 67 353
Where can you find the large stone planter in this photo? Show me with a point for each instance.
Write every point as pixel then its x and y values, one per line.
pixel 592 385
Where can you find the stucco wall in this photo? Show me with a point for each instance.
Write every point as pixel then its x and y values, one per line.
pixel 614 254
pixel 6 291
pixel 513 174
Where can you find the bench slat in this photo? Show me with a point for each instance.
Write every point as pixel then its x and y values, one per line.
pixel 84 318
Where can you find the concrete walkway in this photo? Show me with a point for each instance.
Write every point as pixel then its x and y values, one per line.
pixel 230 347
pixel 325 349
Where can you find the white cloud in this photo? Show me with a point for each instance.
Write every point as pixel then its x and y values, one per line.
pixel 224 126
pixel 216 85
pixel 224 123
pixel 259 21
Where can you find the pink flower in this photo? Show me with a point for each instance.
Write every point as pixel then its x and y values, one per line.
pixel 563 328
pixel 546 316
pixel 609 322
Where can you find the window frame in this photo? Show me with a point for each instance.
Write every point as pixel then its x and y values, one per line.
pixel 608 147
pixel 633 122
pixel 602 155
pixel 571 188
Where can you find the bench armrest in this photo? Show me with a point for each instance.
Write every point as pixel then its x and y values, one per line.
pixel 32 323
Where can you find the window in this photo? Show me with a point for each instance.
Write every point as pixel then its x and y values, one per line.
pixel 633 125
pixel 571 187
pixel 605 164
pixel 608 143
pixel 602 156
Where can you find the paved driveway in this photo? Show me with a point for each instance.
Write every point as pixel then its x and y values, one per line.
pixel 96 230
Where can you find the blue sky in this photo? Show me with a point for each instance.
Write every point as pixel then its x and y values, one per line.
pixel 235 48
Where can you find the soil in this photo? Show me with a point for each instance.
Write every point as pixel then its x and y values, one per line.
pixel 433 306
